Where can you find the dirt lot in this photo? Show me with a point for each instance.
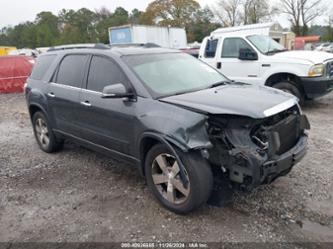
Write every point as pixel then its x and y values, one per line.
pixel 78 195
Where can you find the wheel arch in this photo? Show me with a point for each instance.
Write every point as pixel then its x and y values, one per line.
pixel 150 139
pixel 285 76
pixel 34 107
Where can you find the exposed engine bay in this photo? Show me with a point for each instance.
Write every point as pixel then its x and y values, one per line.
pixel 251 152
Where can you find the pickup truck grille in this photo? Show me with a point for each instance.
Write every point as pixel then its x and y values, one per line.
pixel 329 69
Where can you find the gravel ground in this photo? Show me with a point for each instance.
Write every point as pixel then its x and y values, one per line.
pixel 77 195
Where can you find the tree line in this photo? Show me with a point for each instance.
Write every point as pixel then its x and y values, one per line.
pixel 91 26
pixel 88 26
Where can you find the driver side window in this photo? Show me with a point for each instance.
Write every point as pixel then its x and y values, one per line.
pixel 104 72
pixel 231 47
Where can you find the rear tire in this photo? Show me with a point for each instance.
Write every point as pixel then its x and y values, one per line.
pixel 291 88
pixel 44 135
pixel 167 185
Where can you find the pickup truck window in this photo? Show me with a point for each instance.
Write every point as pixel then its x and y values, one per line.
pixel 231 47
pixel 265 44
pixel 211 47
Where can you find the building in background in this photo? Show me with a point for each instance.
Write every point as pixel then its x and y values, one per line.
pixel 288 40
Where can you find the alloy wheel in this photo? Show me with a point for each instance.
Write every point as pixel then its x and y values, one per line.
pixel 167 180
pixel 42 132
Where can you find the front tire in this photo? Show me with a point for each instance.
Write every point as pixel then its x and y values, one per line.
pixel 290 87
pixel 179 194
pixel 44 134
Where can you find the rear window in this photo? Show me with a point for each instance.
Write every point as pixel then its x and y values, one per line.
pixel 42 65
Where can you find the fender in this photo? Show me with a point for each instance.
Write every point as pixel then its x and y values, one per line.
pixel 37 98
pixel 40 107
pixel 164 141
pixel 159 137
pixel 282 70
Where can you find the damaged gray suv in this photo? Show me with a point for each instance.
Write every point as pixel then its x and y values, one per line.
pixel 185 126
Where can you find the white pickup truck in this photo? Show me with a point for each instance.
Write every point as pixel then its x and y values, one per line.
pixel 258 59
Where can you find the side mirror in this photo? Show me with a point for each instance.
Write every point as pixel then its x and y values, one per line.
pixel 116 91
pixel 247 54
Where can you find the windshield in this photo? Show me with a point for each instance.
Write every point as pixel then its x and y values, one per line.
pixel 173 73
pixel 265 44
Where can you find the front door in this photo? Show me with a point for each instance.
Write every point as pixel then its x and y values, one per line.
pixel 106 122
pixel 235 69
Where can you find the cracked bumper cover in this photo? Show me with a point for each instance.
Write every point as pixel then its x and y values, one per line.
pixel 283 164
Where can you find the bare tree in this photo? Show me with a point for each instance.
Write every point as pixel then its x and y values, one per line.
pixel 229 12
pixel 309 11
pixel 256 11
pixel 236 12
pixel 301 13
pixel 328 35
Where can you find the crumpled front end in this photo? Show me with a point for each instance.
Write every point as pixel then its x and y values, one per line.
pixel 252 152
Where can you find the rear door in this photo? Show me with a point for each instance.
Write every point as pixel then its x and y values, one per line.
pixel 64 92
pixel 234 68
pixel 106 122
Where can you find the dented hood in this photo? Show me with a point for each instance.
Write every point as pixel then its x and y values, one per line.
pixel 236 99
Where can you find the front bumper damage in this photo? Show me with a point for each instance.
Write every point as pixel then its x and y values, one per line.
pixel 254 152
pixel 283 164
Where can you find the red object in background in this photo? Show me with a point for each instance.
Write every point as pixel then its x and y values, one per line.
pixel 14 71
pixel 191 51
pixel 299 44
pixel 300 41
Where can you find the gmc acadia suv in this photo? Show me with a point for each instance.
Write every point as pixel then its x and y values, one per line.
pixel 181 122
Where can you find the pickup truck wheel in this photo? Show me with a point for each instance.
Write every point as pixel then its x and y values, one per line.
pixel 44 135
pixel 289 87
pixel 178 194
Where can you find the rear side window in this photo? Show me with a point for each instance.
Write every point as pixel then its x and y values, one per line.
pixel 71 70
pixel 104 72
pixel 211 47
pixel 231 47
pixel 42 65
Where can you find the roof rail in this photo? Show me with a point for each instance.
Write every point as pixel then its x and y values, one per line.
pixel 143 45
pixel 79 46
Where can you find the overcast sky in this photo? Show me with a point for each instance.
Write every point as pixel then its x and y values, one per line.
pixel 13 12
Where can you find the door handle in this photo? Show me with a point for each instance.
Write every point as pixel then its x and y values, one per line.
pixel 219 65
pixel 52 95
pixel 86 103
